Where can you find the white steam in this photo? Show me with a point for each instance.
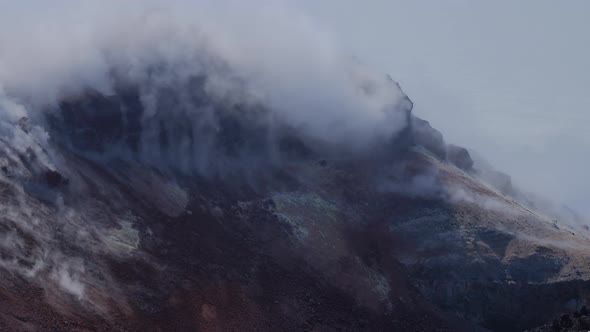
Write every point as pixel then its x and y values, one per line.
pixel 52 50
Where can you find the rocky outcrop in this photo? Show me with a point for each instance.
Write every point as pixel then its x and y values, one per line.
pixel 459 157
pixel 578 321
pixel 428 137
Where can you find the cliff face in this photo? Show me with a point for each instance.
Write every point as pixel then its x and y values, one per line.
pixel 218 216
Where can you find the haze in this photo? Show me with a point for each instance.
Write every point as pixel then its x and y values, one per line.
pixel 508 79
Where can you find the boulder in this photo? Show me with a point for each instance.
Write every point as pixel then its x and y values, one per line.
pixel 460 157
pixel 55 179
pixel 429 138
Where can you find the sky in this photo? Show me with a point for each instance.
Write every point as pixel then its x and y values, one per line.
pixel 508 79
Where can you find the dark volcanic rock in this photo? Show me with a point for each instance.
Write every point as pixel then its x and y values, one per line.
pixel 55 179
pixel 460 157
pixel 579 321
pixel 428 137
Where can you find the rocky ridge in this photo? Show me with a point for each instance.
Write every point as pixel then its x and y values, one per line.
pixel 98 234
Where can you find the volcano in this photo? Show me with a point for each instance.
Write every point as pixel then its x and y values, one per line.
pixel 157 176
pixel 225 219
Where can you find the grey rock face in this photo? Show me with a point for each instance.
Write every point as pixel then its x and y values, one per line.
pixel 460 157
pixel 428 137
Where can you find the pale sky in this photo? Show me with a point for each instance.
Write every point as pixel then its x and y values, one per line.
pixel 509 79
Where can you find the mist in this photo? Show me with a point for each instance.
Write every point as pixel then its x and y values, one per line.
pixel 507 80
pixel 270 54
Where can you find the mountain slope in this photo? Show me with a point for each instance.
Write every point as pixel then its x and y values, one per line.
pixel 215 215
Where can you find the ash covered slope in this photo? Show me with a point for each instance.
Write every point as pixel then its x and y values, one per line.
pixel 121 222
pixel 107 227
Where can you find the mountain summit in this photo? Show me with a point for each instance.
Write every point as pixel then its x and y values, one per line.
pixel 193 212
pixel 182 167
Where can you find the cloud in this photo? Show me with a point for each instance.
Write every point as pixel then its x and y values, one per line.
pixel 285 59
pixel 68 279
